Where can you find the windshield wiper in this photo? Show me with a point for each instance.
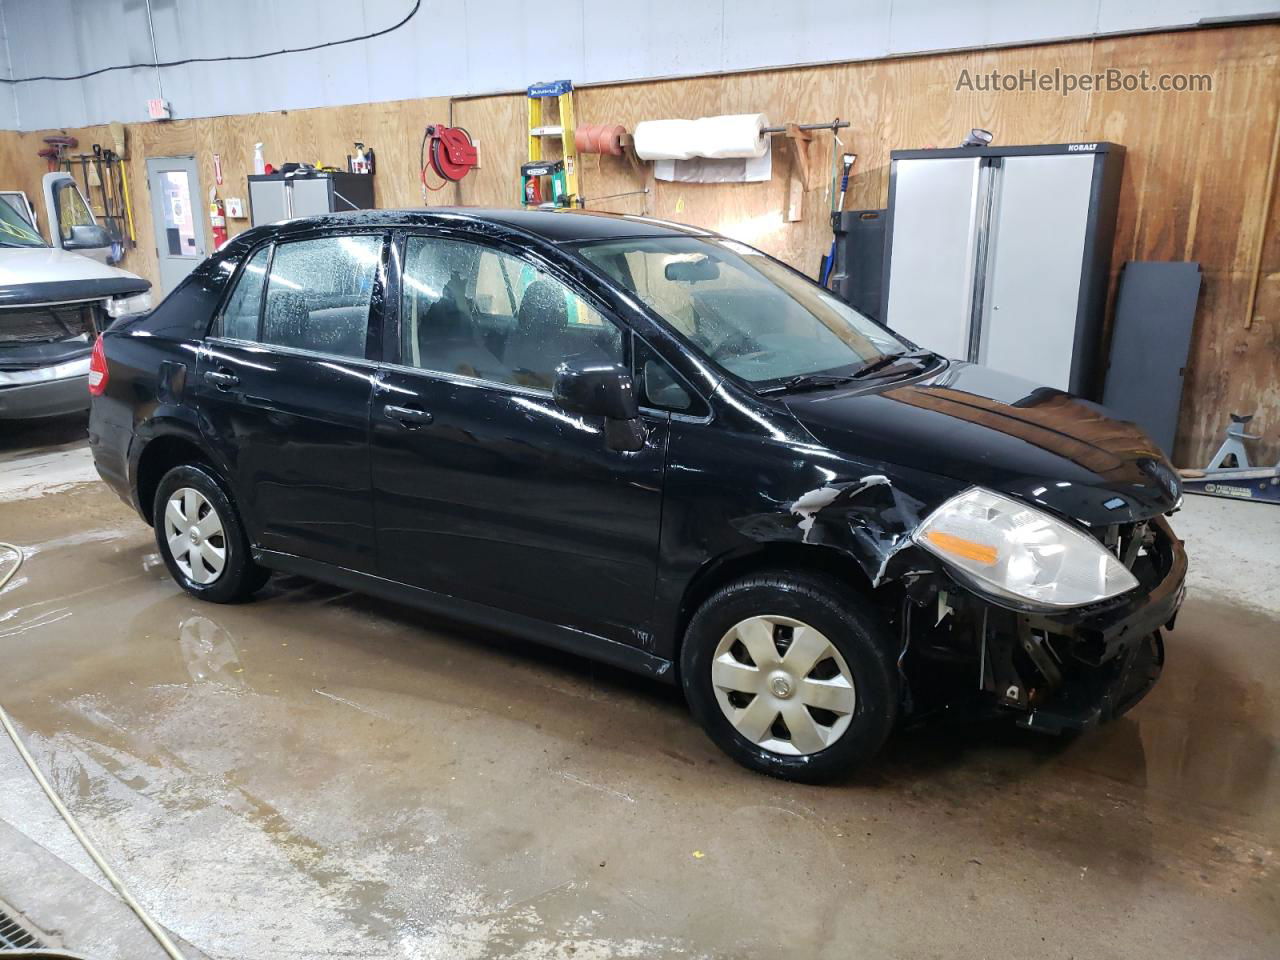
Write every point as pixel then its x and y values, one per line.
pixel 816 381
pixel 924 356
pixel 806 381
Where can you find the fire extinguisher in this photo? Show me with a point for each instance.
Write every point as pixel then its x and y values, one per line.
pixel 217 219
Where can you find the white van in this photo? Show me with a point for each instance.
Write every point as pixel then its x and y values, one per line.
pixel 54 300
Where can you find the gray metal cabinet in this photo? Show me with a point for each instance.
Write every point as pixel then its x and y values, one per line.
pixel 276 196
pixel 1002 255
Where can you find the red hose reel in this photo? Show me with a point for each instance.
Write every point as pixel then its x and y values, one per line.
pixel 449 152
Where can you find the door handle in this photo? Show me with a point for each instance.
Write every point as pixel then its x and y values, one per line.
pixel 221 379
pixel 407 416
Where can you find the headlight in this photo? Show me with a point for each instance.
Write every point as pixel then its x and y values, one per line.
pixel 1016 551
pixel 127 306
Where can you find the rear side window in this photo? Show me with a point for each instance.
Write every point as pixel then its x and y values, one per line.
pixel 319 292
pixel 240 317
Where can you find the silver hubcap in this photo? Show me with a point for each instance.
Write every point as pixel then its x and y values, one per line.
pixel 783 685
pixel 193 530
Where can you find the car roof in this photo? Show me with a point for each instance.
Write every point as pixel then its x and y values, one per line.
pixel 554 226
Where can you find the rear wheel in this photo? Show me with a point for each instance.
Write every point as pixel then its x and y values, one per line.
pixel 791 675
pixel 201 538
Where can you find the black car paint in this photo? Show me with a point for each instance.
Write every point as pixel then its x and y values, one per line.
pixel 531 524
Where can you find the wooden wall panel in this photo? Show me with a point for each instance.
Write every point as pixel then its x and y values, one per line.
pixel 1193 187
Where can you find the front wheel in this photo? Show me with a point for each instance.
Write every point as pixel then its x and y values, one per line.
pixel 791 675
pixel 201 538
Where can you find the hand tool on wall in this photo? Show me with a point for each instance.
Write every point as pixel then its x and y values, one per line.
pixel 128 205
pixel 111 212
pixel 55 151
pixel 837 204
pixel 84 171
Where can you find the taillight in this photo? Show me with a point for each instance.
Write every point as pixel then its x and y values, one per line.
pixel 98 370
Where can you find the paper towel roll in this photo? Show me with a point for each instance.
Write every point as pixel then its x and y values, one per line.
pixel 666 139
pixel 735 136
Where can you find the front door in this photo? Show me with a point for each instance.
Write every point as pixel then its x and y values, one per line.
pixel 175 215
pixel 283 388
pixel 484 488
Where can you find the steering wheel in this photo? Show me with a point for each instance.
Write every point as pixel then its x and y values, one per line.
pixel 737 342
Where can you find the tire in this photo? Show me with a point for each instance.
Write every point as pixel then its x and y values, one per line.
pixel 195 567
pixel 797 612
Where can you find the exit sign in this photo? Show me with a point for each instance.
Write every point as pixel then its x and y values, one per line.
pixel 158 109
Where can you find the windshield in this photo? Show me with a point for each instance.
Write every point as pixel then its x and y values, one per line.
pixel 16 232
pixel 747 312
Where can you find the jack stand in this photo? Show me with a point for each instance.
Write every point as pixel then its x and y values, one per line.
pixel 1242 480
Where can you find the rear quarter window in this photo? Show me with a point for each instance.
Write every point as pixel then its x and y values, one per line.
pixel 239 320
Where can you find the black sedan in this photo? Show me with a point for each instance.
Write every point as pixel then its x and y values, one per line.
pixel 654 446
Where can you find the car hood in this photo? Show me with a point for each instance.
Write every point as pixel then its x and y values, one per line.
pixel 979 426
pixel 46 275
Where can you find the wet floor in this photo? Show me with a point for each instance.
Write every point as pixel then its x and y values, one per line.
pixel 319 774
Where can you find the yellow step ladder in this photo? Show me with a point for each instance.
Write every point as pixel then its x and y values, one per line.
pixel 560 175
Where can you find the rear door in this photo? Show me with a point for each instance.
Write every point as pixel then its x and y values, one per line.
pixel 284 384
pixel 484 488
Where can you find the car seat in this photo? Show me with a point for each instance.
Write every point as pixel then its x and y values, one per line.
pixel 448 341
pixel 286 320
pixel 539 341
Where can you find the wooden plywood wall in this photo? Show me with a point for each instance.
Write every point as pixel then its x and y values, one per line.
pixel 1194 182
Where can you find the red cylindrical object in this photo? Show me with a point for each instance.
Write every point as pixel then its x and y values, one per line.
pixel 599 138
pixel 452 152
pixel 609 139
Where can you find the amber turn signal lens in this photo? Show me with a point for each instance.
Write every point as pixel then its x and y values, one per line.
pixel 977 552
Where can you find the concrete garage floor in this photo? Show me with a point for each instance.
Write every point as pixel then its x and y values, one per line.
pixel 318 774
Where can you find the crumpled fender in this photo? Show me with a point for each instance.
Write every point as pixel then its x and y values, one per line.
pixel 869 517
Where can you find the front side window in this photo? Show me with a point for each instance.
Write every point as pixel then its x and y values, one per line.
pixel 319 292
pixel 746 312
pixel 240 316
pixel 475 311
pixel 72 210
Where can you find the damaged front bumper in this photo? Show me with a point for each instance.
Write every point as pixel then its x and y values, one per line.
pixel 1063 671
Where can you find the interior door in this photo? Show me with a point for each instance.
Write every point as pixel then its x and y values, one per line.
pixel 175 216
pixel 484 488
pixel 283 386
pixel 71 220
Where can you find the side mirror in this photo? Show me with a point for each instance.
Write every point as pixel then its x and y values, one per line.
pixel 86 236
pixel 602 390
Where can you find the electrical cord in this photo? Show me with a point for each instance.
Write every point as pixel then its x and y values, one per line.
pixel 9 574
pixel 153 928
pixel 230 59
